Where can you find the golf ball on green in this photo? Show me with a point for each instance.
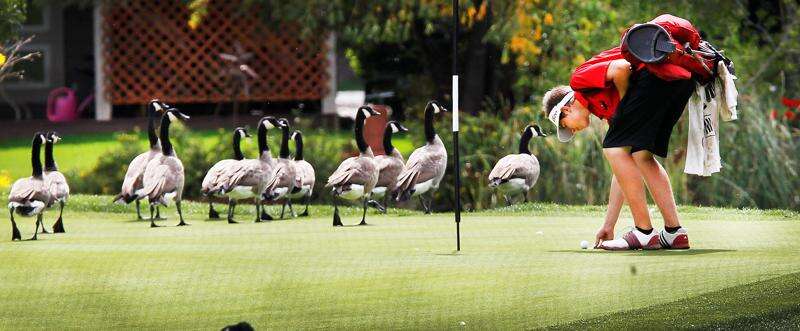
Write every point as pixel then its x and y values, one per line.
pixel 584 244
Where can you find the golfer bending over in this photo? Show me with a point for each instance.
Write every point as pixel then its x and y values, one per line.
pixel 640 107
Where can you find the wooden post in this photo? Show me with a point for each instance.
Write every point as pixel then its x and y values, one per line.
pixel 102 107
pixel 328 101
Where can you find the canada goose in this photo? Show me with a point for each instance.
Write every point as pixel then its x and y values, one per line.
pixel 517 173
pixel 426 166
pixel 283 174
pixel 133 177
pixel 214 180
pixel 389 165
pixel 247 178
pixel 55 181
pixel 163 176
pixel 356 176
pixel 305 176
pixel 29 196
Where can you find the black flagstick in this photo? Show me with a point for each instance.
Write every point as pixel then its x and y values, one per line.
pixel 457 161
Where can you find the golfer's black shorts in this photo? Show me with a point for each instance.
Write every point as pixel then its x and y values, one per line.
pixel 646 115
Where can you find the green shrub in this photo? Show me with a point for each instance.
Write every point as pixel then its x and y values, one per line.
pixel 760 160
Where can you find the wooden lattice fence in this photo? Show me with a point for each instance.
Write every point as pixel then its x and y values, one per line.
pixel 151 52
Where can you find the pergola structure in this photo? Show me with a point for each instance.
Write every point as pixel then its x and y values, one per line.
pixel 145 49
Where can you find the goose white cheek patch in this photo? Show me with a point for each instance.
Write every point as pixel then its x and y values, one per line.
pixel 366 113
pixel 436 109
pixel 171 116
pixel 395 129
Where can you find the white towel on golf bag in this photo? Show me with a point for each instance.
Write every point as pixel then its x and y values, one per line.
pixel 707 104
pixel 729 99
pixel 702 148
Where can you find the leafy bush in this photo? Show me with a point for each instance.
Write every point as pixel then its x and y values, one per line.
pixel 572 173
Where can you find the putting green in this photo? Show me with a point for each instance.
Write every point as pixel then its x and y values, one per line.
pixel 519 268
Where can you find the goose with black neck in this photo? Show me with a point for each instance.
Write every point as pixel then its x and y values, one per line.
pixel 55 181
pixel 390 164
pixel 305 176
pixel 283 175
pixel 248 177
pixel 29 196
pixel 427 164
pixel 355 177
pixel 215 178
pixel 164 174
pixel 134 176
pixel 517 173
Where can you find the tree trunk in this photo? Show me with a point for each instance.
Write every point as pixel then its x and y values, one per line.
pixel 476 73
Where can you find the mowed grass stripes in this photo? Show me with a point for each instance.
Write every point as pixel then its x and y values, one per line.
pixel 520 268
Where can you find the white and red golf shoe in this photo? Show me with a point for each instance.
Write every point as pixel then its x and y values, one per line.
pixel 677 240
pixel 633 239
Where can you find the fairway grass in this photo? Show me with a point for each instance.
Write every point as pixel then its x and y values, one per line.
pixel 520 268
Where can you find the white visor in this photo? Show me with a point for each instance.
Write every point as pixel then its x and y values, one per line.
pixel 564 134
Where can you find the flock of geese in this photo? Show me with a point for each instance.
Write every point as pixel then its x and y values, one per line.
pixel 158 173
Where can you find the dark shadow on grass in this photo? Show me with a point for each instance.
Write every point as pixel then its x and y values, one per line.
pixel 764 305
pixel 453 253
pixel 662 252
pixel 146 220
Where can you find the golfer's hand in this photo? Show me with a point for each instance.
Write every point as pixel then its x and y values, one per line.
pixel 605 233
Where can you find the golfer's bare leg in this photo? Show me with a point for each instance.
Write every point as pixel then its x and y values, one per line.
pixel 630 181
pixel 659 186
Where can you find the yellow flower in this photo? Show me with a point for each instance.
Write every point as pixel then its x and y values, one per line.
pixel 548 19
pixel 537 34
pixel 481 12
pixel 2 59
pixel 578 59
pixel 5 178
pixel 194 21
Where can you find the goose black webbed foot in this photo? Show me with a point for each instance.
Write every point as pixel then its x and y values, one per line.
pixel 377 205
pixel 59 226
pixel 213 214
pixel 337 221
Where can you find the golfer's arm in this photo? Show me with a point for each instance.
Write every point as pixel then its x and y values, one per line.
pixel 619 73
pixel 615 201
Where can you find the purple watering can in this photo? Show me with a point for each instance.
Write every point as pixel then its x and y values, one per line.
pixel 62 105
